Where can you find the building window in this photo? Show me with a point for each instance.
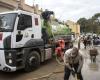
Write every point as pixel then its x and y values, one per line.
pixel 36 21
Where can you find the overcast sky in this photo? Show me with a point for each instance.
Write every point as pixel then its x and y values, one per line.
pixel 69 9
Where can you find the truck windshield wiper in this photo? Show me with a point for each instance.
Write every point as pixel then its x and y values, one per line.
pixel 2 29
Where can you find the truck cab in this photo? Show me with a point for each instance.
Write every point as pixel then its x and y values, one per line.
pixel 21 42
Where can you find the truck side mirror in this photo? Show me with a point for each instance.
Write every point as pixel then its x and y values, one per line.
pixel 19 32
pixel 20 15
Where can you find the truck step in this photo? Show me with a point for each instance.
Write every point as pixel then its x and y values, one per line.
pixel 18 60
pixel 20 67
pixel 19 53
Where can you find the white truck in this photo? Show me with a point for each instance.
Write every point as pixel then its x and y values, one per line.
pixel 21 41
pixel 26 40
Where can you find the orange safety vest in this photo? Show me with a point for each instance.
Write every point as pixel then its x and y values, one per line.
pixel 58 51
pixel 61 43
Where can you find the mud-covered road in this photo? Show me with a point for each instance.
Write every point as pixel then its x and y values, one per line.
pixel 90 71
pixel 45 69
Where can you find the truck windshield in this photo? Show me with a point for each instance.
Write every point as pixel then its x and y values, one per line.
pixel 7 22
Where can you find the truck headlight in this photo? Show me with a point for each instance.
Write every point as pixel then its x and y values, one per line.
pixel 10 57
pixel 10 61
pixel 9 54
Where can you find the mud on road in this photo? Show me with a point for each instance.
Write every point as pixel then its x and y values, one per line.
pixel 49 70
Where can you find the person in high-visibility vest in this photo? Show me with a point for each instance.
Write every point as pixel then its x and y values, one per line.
pixel 60 48
pixel 61 44
pixel 58 51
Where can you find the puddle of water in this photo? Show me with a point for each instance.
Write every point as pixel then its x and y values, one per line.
pixel 94 66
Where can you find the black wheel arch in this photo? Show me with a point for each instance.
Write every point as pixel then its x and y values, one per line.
pixel 29 50
pixel 34 43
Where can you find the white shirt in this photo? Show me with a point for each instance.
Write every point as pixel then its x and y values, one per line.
pixel 69 60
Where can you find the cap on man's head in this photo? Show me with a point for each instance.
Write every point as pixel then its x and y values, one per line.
pixel 74 51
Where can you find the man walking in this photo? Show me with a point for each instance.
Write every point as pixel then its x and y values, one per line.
pixel 93 53
pixel 73 61
pixel 85 42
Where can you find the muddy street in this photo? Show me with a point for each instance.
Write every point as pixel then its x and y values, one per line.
pixel 45 69
pixel 51 70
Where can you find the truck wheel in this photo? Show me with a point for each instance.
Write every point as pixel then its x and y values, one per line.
pixel 32 61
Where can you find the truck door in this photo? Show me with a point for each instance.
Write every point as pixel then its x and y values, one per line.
pixel 24 31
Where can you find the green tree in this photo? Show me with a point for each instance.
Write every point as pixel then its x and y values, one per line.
pixel 90 25
pixel 82 22
pixel 96 23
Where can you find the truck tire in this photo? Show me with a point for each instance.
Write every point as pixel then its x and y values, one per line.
pixel 32 61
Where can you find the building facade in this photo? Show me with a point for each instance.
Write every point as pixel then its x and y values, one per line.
pixel 75 28
pixel 7 5
pixel 10 5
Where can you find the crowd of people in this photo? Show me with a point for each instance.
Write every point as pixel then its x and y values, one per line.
pixel 89 40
